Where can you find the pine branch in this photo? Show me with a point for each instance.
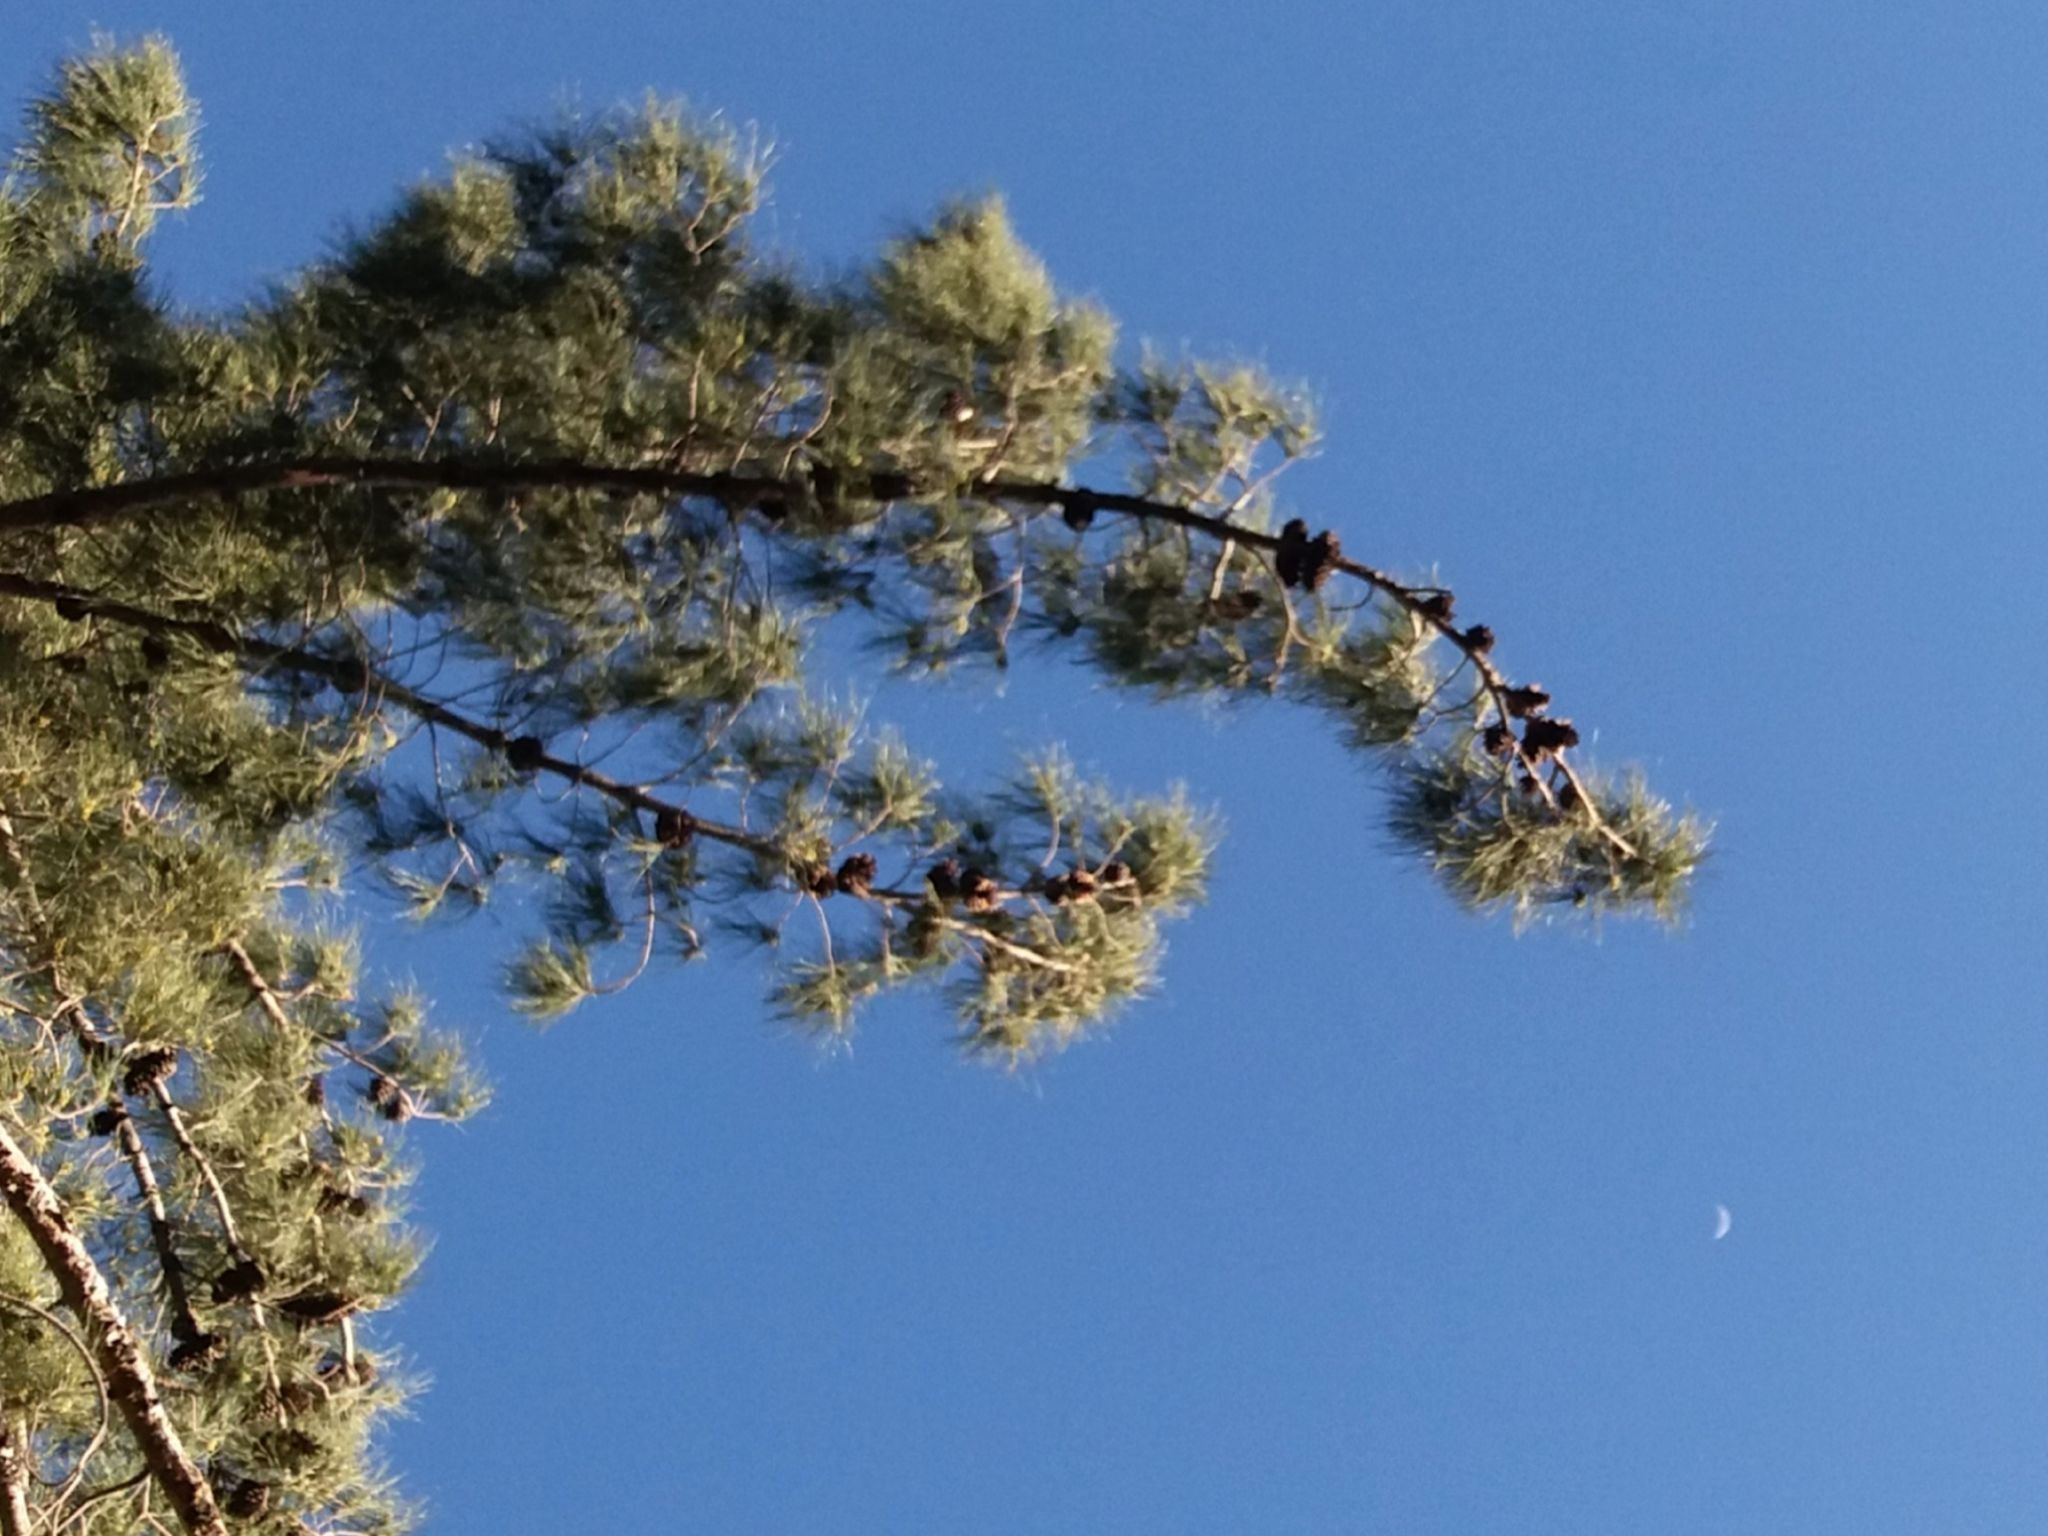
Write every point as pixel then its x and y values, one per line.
pixel 92 505
pixel 184 1324
pixel 182 1135
pixel 70 1012
pixel 265 996
pixel 96 1045
pixel 245 1265
pixel 1300 559
pixel 352 676
pixel 130 1381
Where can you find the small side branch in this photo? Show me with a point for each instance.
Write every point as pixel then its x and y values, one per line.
pixel 184 1325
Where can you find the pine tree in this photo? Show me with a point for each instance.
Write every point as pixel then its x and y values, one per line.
pixel 492 550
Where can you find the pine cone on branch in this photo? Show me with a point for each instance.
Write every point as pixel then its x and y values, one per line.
pixel 147 1068
pixel 673 828
pixel 856 874
pixel 978 890
pixel 944 879
pixel 238 1282
pixel 1543 736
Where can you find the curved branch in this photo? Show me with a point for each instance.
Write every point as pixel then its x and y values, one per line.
pixel 91 505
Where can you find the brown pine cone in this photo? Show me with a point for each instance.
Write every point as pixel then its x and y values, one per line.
pixel 856 876
pixel 944 879
pixel 978 890
pixel 1543 736
pixel 145 1069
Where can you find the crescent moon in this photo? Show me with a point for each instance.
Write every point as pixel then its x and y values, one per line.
pixel 1723 1220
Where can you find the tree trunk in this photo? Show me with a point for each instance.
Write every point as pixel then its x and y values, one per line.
pixel 14 1515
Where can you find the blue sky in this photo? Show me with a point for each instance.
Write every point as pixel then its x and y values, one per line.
pixel 1702 348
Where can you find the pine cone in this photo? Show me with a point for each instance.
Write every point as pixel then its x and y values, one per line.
pixel 856 875
pixel 1526 701
pixel 1290 559
pixel 1075 885
pixel 72 610
pixel 1478 639
pixel 1437 606
pixel 238 1282
pixel 147 1068
pixel 1499 741
pixel 332 1199
pixel 524 754
pixel 1115 872
pixel 246 1499
pixel 315 1091
pixel 1324 551
pixel 1078 513
pixel 1543 736
pixel 978 890
pixel 944 879
pixel 392 1101
pixel 673 828
pixel 105 1122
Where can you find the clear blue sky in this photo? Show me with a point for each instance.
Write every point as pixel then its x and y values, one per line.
pixel 1703 347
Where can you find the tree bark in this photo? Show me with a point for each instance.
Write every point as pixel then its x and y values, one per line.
pixel 14 1513
pixel 130 1382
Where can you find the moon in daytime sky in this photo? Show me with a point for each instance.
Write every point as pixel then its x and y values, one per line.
pixel 1723 1220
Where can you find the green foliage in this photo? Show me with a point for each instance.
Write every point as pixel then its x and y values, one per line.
pixel 1497 845
pixel 509 536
